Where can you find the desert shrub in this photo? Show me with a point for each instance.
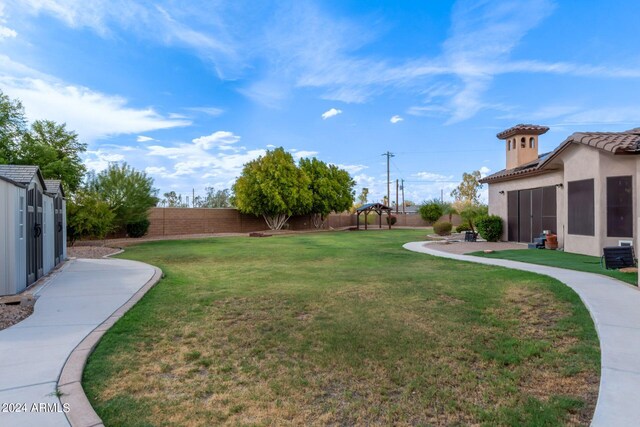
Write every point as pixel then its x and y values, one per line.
pixel 138 228
pixel 463 227
pixel 442 228
pixel 490 227
pixel 391 218
pixel 431 211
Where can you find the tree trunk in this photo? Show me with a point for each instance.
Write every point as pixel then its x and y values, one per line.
pixel 275 222
pixel 318 220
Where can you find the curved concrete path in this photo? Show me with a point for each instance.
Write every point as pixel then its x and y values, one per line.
pixel 615 309
pixel 74 302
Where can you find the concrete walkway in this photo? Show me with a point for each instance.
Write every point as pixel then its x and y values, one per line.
pixel 615 309
pixel 73 303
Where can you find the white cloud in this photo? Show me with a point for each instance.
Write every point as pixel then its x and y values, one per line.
pixel 167 24
pixel 396 119
pixel 7 33
pixel 98 160
pixel 298 154
pixel 93 115
pixel 205 156
pixel 484 171
pixel 331 113
pixel 211 111
pixel 430 176
pixel 142 138
pixel 154 170
pixel 352 168
pixel 427 110
pixel 221 139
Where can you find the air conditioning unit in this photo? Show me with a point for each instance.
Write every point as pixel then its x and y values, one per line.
pixel 625 242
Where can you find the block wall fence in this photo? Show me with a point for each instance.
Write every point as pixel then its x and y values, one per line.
pixel 179 221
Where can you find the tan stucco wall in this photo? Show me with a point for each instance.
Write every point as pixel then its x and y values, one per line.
pixel 498 202
pixel 585 163
pixel 519 156
pixel 577 163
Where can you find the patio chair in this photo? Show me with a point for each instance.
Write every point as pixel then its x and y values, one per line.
pixel 470 236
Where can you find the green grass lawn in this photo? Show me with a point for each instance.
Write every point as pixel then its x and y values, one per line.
pixel 589 264
pixel 342 328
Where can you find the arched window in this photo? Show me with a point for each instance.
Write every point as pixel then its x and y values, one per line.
pixel 513 143
pixel 523 142
pixel 508 145
pixel 532 142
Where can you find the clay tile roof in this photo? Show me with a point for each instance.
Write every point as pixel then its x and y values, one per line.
pixel 614 142
pixel 18 173
pixel 522 128
pixel 527 168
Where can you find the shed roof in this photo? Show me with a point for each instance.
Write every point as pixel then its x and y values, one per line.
pixel 54 186
pixel 617 143
pixel 21 174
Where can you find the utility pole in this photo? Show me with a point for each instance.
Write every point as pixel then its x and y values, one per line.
pixel 402 188
pixel 389 156
pixel 396 196
pixel 442 195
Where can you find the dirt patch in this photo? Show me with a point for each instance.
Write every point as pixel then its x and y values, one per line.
pixel 11 314
pixel 90 251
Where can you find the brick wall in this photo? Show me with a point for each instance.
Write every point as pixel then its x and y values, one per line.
pixel 177 221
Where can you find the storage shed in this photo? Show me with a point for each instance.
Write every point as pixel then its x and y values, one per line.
pixel 27 227
pixel 59 211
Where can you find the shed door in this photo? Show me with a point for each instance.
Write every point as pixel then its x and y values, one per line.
pixel 57 224
pixel 34 235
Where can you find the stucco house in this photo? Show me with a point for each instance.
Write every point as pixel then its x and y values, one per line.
pixel 584 191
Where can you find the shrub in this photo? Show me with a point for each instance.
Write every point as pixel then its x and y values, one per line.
pixel 463 227
pixel 431 211
pixel 391 218
pixel 442 228
pixel 138 228
pixel 490 227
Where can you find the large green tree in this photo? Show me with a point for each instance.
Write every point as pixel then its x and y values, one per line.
pixel 331 189
pixel 13 126
pixel 431 211
pixel 55 150
pixel 274 187
pixel 88 216
pixel 217 198
pixel 128 192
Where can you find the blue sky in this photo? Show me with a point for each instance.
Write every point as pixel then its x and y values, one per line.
pixel 189 91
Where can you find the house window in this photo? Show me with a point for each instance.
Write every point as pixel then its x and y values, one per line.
pixel 509 145
pixel 581 207
pixel 523 142
pixel 532 142
pixel 619 206
pixel 21 218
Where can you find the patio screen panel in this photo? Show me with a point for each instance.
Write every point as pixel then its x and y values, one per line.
pixel 581 207
pixel 619 206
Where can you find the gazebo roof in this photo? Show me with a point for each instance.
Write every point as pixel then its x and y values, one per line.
pixel 373 207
